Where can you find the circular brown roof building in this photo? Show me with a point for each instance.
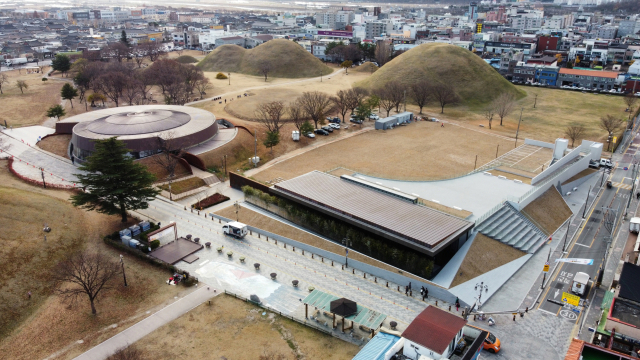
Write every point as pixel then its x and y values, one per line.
pixel 140 127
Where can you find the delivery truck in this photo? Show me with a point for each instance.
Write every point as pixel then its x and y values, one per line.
pixel 634 225
pixel 579 284
pixel 16 61
pixel 235 229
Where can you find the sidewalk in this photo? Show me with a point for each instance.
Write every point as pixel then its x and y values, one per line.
pixel 148 325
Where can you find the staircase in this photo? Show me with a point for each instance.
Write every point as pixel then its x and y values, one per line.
pixel 510 227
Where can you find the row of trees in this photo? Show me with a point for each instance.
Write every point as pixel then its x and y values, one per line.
pixel 382 52
pixel 122 82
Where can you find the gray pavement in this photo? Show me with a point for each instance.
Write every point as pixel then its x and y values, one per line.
pixel 148 325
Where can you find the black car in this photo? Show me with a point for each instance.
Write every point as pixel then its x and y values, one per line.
pixel 327 128
pixel 321 132
pixel 356 121
pixel 335 120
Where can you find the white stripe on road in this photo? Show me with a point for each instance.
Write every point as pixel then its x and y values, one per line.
pixel 204 262
pixel 583 245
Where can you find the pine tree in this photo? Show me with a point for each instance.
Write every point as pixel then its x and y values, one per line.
pixel 68 92
pixel 123 38
pixel 272 139
pixel 113 182
pixel 61 63
pixel 56 111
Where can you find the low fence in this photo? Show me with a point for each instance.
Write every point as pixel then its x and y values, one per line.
pixel 394 277
pixel 194 161
pixel 183 195
pixel 237 181
pixel 539 143
pixel 303 322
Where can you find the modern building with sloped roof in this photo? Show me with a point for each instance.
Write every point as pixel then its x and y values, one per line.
pixel 433 333
pixel 379 210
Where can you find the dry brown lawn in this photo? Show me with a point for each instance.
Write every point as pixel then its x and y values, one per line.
pixel 484 255
pixel 548 211
pixel 230 328
pixel 162 174
pixel 555 110
pixel 463 214
pixel 248 216
pixel 178 187
pixel 420 151
pixel 581 174
pixel 244 108
pixel 37 328
pixel 58 144
pixel 28 108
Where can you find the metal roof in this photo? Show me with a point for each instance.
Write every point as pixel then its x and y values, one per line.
pixel 418 224
pixel 377 348
pixel 629 282
pixel 434 329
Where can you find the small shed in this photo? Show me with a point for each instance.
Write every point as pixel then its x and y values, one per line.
pixel 404 117
pixel 386 123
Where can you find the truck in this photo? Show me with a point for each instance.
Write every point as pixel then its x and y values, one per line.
pixel 295 135
pixel 236 229
pixel 16 61
pixel 634 225
pixel 606 163
pixel 580 282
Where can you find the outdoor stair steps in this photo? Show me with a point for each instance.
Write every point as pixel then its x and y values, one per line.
pixel 210 180
pixel 511 227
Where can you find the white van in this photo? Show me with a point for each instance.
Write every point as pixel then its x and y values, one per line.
pixel 295 135
pixel 606 162
pixel 634 225
pixel 235 229
pixel 580 282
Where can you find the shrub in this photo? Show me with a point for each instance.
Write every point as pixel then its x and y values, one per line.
pixel 221 76
pixel 45 79
pixel 214 199
pixel 190 281
pixel 154 244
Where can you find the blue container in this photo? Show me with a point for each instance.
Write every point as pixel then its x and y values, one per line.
pixel 144 225
pixel 126 239
pixel 125 232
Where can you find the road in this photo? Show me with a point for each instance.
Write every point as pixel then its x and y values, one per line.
pixel 31 64
pixel 593 239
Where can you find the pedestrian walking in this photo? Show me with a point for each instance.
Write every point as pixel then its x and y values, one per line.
pixel 225 101
pixel 441 124
pixel 457 304
pixel 410 292
pixel 409 285
pixel 29 293
pixel 406 290
pixel 426 293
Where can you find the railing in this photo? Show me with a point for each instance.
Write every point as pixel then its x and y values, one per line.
pixel 493 210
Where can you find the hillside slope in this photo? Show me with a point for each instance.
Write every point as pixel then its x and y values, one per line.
pixel 287 59
pixel 472 78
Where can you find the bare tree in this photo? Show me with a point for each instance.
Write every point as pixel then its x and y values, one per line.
pixel 131 91
pixel 128 353
pixel 630 100
pixel 356 96
pixel 271 115
pixel 118 51
pixel 138 53
pixel 4 78
pixel 504 105
pixel 152 49
pixel 113 84
pixel 265 67
pixel 611 124
pixel 444 95
pixel 397 93
pixel 21 84
pixel 387 101
pixel 144 82
pixel 421 93
pixel 383 52
pixel 574 132
pixel 316 105
pixel 296 114
pixel 88 273
pixel 203 85
pixel 170 151
pixel 489 113
pixel 341 102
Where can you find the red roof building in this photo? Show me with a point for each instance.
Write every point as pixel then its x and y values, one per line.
pixel 433 333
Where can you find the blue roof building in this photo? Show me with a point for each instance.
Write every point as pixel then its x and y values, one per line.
pixel 377 348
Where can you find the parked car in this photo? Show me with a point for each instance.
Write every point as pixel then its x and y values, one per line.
pixel 327 128
pixel 594 164
pixel 355 121
pixel 335 120
pixel 335 126
pixel 606 163
pixel 310 135
pixel 321 132
pixel 374 117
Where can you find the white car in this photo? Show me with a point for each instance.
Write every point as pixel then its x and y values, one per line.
pixel 335 126
pixel 310 135
pixel 374 117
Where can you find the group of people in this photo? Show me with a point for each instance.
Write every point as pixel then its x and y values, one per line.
pixel 424 292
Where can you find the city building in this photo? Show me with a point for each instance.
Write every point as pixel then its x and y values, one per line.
pixel 590 79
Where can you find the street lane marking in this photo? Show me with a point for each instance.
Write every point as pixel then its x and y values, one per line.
pixel 548 312
pixel 587 246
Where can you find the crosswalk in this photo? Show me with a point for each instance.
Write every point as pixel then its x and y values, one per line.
pixel 622 186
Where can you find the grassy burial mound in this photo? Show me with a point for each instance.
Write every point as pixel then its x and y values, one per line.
pixel 285 59
pixel 186 59
pixel 472 78
pixel 366 67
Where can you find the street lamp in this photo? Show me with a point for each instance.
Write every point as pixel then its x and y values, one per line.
pixel 346 242
pixel 123 274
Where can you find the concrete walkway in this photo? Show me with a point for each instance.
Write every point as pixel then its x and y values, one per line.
pixel 150 324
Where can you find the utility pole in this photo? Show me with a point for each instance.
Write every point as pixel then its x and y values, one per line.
pixel 566 235
pixel 229 75
pixel 544 274
pixel 320 76
pixel 535 101
pixel 518 130
pixel 476 163
pixel 123 274
pixel 497 148
pixel 255 149
pixel 586 203
pixel 44 184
